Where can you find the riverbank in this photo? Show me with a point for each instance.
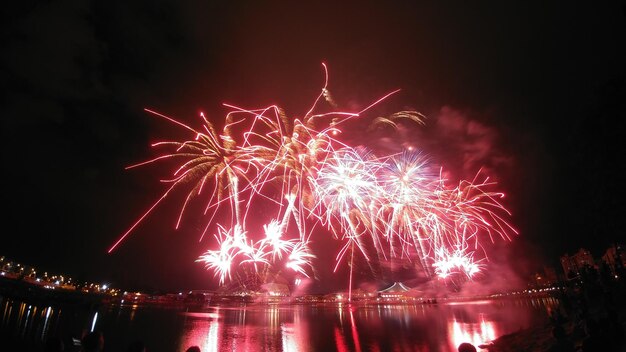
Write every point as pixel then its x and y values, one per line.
pixel 539 338
pixel 579 304
pixel 590 310
pixel 37 295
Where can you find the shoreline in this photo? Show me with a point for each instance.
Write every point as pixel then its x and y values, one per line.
pixel 36 294
pixel 591 304
pixel 538 338
pixel 577 306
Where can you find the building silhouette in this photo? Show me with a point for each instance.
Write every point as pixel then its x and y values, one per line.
pixel 572 265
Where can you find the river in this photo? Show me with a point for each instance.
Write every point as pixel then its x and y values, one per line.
pixel 267 327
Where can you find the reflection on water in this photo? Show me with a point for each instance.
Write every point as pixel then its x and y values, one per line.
pixel 358 328
pixel 327 327
pixel 29 322
pixel 474 333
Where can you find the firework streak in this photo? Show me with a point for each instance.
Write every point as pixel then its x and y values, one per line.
pixel 383 208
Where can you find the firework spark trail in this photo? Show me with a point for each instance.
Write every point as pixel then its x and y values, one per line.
pixel 300 257
pixel 220 260
pixel 458 259
pixel 236 248
pixel 345 184
pixel 273 234
pixel 406 185
pixel 345 187
pixel 296 169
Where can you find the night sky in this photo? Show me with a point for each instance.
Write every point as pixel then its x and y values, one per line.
pixel 533 92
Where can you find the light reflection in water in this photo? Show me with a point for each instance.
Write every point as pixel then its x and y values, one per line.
pixel 353 328
pixel 46 323
pixel 133 311
pixel 212 341
pixel 295 335
pixel 289 338
pixel 475 333
pixel 340 341
pixel 202 330
pixel 355 334
pixel 93 323
pixel 291 327
pixel 246 329
pixel 25 320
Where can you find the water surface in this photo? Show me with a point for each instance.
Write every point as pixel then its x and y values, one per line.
pixel 256 327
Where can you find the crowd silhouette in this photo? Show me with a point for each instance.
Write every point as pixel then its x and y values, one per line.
pixel 94 342
pixel 588 316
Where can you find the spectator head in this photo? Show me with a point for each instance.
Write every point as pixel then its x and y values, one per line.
pixel 466 347
pixel 93 342
pixel 136 346
pixel 55 344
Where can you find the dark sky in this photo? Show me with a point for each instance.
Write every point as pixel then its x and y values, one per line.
pixel 542 83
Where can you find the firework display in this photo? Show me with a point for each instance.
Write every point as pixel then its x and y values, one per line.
pixel 309 183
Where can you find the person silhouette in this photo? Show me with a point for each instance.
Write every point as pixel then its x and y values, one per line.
pixel 193 349
pixel 466 347
pixel 562 343
pixel 93 342
pixel 136 346
pixel 54 344
pixel 596 339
